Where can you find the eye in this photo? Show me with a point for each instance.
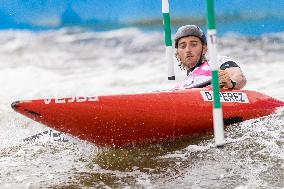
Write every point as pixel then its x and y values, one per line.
pixel 182 46
pixel 194 44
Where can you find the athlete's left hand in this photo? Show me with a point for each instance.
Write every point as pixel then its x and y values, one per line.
pixel 224 79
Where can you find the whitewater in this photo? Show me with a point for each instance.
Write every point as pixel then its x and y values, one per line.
pixel 73 62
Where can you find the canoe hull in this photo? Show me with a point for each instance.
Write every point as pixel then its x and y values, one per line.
pixel 121 120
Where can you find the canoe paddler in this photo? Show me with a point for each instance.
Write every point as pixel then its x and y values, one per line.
pixel 191 47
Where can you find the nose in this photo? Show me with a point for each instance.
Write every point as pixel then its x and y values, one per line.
pixel 188 49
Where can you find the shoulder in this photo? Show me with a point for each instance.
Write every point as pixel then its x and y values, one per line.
pixel 226 62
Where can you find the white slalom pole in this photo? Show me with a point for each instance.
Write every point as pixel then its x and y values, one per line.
pixel 168 39
pixel 217 108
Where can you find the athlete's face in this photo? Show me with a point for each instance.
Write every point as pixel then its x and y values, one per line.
pixel 190 50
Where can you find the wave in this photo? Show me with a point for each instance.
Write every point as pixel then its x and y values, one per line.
pixel 77 62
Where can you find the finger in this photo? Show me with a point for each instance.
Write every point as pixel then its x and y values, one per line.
pixel 223 79
pixel 222 83
pixel 222 75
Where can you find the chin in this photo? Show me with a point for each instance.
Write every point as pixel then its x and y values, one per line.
pixel 190 66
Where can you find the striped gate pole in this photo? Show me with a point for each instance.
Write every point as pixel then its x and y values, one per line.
pixel 168 39
pixel 217 108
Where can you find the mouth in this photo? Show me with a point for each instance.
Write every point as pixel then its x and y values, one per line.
pixel 189 56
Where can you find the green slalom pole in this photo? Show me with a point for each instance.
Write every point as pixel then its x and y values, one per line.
pixel 212 48
pixel 168 39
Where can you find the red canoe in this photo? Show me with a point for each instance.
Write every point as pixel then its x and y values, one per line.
pixel 121 120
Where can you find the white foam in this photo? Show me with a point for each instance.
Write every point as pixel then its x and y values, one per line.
pixel 66 63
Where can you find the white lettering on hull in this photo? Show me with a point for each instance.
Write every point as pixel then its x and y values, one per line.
pixel 70 100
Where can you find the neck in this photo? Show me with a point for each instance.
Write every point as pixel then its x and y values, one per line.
pixel 196 65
